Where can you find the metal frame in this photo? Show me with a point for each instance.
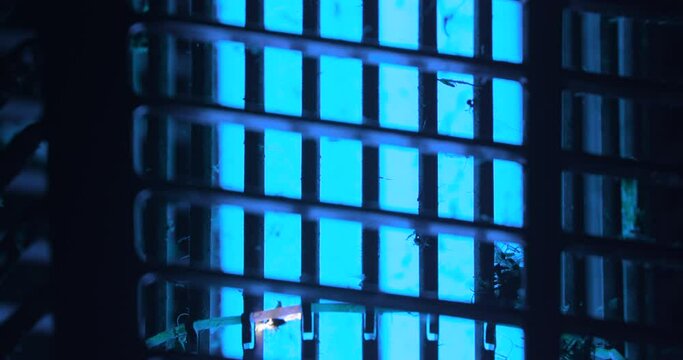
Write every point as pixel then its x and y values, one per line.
pixel 88 104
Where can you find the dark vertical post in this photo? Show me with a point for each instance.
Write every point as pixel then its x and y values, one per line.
pixel 202 150
pixel 428 198
pixel 573 268
pixel 611 187
pixel 254 170
pixel 370 175
pixel 632 272
pixel 310 178
pixel 483 179
pixel 88 113
pixel 543 36
pixel 161 82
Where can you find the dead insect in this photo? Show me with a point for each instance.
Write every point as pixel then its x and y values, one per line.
pixel 453 83
pixel 470 103
pixel 418 240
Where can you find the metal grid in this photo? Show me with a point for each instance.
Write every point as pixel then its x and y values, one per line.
pixel 114 187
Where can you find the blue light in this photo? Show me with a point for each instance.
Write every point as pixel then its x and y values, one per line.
pixel 341 171
pixel 508 193
pixel 398 23
pixel 283 15
pixel 398 97
pixel 455 27
pixel 231 12
pixel 455 116
pixel 341 19
pixel 507 30
pixel 508 112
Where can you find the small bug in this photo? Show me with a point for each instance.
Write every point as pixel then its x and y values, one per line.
pixel 470 103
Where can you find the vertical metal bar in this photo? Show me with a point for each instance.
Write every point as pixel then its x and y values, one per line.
pixel 611 188
pixel 594 185
pixel 370 175
pixel 202 152
pixel 573 268
pixel 633 275
pixel 428 198
pixel 483 177
pixel 90 207
pixel 310 177
pixel 254 170
pixel 543 47
pixel 156 158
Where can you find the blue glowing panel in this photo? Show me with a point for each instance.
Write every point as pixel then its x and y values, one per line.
pixel 282 261
pixel 398 166
pixel 455 186
pixel 398 23
pixel 341 19
pixel 399 262
pixel 282 94
pixel 231 156
pixel 341 265
pixel 231 12
pixel 340 247
pixel 399 336
pixel 283 15
pixel 398 97
pixel 399 333
pixel 341 171
pixel 399 273
pixel 455 117
pixel 510 343
pixel 282 81
pixel 230 92
pixel 508 112
pixel 230 143
pixel 508 193
pixel 232 238
pixel 282 163
pixel 230 73
pixel 456 268
pixel 231 235
pixel 232 304
pixel 282 253
pixel 455 27
pixel 340 253
pixel 456 338
pixel 341 89
pixel 398 178
pixel 507 30
pixel 341 160
pixel 339 336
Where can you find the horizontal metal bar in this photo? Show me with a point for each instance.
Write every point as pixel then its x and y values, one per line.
pixel 315 46
pixel 312 210
pixel 658 174
pixel 207 278
pixel 314 128
pixel 613 330
pixel 619 331
pixel 646 91
pixel 577 81
pixel 665 10
pixel 631 249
